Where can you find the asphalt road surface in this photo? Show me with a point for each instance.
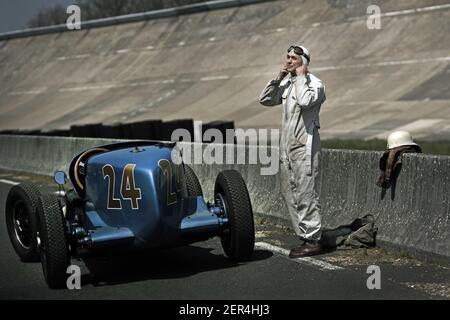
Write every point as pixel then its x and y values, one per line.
pixel 202 272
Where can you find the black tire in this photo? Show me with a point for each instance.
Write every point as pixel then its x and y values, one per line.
pixel 22 220
pixel 194 187
pixel 238 240
pixel 54 251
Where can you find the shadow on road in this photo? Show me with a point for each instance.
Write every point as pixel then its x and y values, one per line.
pixel 159 264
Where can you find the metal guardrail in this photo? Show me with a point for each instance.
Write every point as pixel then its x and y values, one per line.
pixel 135 17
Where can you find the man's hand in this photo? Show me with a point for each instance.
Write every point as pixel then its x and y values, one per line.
pixel 283 72
pixel 302 70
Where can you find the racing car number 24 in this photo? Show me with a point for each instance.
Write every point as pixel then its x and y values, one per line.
pixel 128 189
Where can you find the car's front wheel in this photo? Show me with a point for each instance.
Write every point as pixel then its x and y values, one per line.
pixel 54 250
pixel 231 195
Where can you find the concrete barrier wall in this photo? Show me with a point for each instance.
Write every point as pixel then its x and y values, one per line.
pixel 414 219
pixel 42 155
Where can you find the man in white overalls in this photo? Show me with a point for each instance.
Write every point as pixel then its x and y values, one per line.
pixel 301 94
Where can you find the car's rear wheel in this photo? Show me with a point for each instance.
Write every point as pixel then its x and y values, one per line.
pixel 194 187
pixel 54 249
pixel 22 220
pixel 231 194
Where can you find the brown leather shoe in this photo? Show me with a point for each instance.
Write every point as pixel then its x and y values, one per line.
pixel 305 250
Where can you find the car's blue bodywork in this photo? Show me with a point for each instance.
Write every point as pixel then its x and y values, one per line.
pixel 127 196
pixel 134 194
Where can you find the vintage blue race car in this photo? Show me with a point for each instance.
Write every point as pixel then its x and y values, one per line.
pixel 127 196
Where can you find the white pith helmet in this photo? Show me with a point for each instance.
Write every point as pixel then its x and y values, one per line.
pixel 400 138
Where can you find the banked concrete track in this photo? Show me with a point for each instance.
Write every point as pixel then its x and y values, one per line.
pixel 212 65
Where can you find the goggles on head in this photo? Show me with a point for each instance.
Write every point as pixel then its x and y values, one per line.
pixel 299 51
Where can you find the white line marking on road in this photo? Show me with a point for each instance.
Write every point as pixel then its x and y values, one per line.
pixel 99 87
pixel 82 56
pixel 397 13
pixel 9 182
pixel 78 56
pixel 307 260
pixel 214 78
pixel 410 11
pixel 34 91
pixel 432 8
pixel 406 12
pixel 382 64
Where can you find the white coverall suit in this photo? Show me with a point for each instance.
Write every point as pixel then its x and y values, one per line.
pixel 301 97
